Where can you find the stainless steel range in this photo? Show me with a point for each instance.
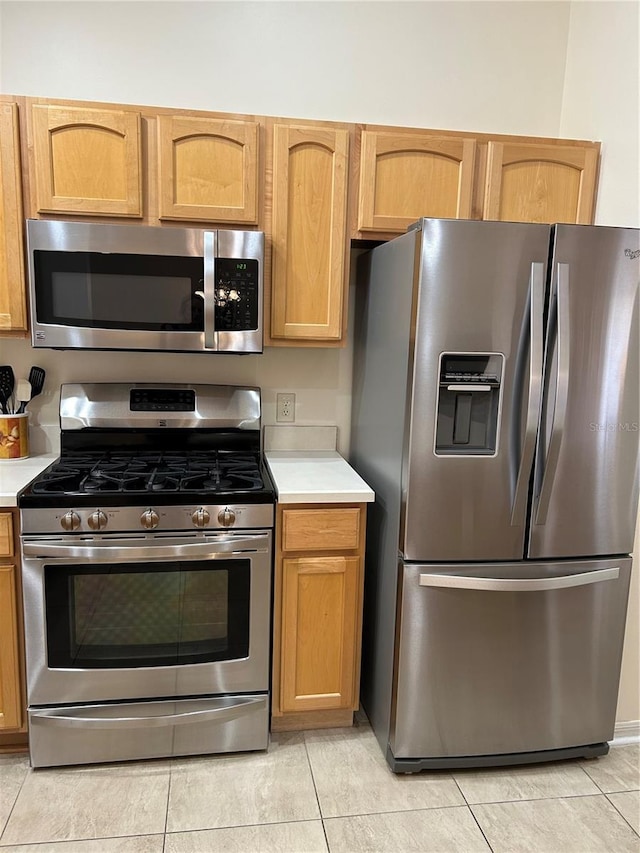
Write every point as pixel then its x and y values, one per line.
pixel 147 560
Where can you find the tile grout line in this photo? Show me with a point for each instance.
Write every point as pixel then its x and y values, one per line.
pixel 13 805
pixel 633 829
pixel 166 816
pixel 315 790
pixel 475 819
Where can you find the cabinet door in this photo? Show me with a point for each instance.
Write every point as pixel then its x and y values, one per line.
pixel 13 312
pixel 87 160
pixel 10 716
pixel 320 621
pixel 208 169
pixel 309 232
pixel 405 176
pixel 540 183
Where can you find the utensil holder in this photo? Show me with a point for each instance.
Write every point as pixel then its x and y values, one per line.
pixel 14 436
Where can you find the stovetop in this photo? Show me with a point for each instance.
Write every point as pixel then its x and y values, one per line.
pixel 143 444
pixel 116 477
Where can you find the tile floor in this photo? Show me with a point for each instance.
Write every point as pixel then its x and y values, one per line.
pixel 319 791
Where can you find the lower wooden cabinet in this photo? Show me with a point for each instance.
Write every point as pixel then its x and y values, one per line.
pixel 317 615
pixel 10 682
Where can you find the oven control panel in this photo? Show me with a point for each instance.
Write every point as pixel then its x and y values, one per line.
pixel 176 519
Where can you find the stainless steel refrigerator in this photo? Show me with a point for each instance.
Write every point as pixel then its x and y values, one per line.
pixel 495 414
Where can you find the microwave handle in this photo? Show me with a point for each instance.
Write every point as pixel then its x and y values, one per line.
pixel 210 289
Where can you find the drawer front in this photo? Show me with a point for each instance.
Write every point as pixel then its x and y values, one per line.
pixel 6 534
pixel 321 529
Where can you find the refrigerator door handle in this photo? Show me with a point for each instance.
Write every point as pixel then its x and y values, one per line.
pixel 536 294
pixel 519 584
pixel 561 394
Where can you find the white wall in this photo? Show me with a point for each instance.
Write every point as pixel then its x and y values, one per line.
pixel 602 100
pixel 480 66
pixel 484 66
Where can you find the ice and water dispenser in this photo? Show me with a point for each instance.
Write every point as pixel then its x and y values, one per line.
pixel 468 404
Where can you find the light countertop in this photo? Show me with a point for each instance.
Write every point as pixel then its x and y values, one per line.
pixel 320 476
pixel 15 474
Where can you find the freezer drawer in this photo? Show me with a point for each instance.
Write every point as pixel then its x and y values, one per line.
pixel 507 658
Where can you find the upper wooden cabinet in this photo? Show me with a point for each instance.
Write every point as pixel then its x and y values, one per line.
pixel 208 169
pixel 404 176
pixel 13 310
pixel 540 183
pixel 87 161
pixel 309 237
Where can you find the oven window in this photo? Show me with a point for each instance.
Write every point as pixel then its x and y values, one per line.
pixel 114 291
pixel 147 615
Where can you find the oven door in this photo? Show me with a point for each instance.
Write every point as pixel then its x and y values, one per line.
pixel 146 616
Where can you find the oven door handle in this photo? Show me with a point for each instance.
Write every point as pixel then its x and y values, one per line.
pixel 51 717
pixel 127 550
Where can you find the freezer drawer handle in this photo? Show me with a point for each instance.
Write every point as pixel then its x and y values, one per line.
pixel 519 584
pixel 51 718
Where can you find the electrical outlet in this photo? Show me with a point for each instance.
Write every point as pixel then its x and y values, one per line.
pixel 285 408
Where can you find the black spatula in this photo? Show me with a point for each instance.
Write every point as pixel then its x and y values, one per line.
pixel 36 378
pixel 7 381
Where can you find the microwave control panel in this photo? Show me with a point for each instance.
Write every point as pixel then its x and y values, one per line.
pixel 236 294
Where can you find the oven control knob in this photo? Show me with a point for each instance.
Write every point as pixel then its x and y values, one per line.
pixel 201 517
pixel 70 521
pixel 149 519
pixel 226 517
pixel 97 520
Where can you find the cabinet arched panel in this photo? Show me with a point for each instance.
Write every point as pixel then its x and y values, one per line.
pixel 87 161
pixel 406 176
pixel 540 183
pixel 208 169
pixel 309 219
pixel 13 311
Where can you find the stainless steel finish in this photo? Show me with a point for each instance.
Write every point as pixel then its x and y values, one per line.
pixel 519 584
pixel 558 412
pixel 589 505
pixel 70 521
pixel 210 290
pixel 514 671
pixel 171 518
pixel 243 244
pixel 486 634
pixel 534 397
pixel 149 519
pixel 236 723
pixel 141 239
pixel 46 685
pixel 201 517
pixel 111 549
pixel 70 717
pixel 97 520
pixel 227 517
pixel 474 295
pixel 103 404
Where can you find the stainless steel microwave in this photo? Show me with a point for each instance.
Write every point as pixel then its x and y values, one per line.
pixel 138 287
